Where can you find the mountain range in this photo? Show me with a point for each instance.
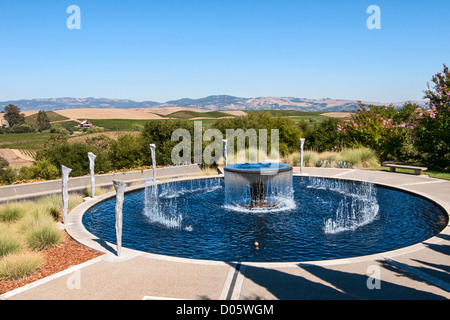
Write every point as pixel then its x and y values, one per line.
pixel 216 102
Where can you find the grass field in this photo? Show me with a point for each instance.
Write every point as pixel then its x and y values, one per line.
pixel 52 116
pixel 28 141
pixel 119 124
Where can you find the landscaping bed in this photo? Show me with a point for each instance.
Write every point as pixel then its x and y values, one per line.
pixel 56 259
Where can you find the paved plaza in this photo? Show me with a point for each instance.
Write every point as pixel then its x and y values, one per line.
pixel 421 271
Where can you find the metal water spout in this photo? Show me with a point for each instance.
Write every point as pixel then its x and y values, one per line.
pixel 152 149
pixel 92 157
pixel 65 193
pixel 302 143
pixel 120 191
pixel 225 155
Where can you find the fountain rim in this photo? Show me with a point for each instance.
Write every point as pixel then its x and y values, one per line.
pixel 266 167
pixel 76 229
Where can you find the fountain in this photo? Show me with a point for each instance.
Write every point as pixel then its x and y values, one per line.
pixel 257 185
pixel 324 218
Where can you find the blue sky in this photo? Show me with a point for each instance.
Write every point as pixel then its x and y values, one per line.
pixel 170 49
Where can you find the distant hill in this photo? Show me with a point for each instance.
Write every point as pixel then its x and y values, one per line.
pixel 216 102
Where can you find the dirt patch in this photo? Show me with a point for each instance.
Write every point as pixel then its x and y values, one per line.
pixel 235 112
pixel 337 114
pixel 17 158
pixel 107 113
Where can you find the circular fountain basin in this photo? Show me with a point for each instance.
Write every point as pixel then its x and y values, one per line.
pixel 327 219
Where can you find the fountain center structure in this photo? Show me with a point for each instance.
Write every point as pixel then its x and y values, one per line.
pixel 258 185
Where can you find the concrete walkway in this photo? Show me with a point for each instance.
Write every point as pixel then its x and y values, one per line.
pixel 421 271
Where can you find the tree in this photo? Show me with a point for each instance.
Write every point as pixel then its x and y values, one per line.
pixel 126 152
pixel 289 132
pixel 13 115
pixel 432 124
pixel 42 122
pixel 324 136
pixel 369 127
pixel 159 132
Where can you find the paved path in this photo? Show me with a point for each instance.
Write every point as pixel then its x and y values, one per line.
pixel 421 271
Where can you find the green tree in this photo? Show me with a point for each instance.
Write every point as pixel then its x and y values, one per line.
pixel 159 132
pixel 289 132
pixel 324 136
pixel 13 115
pixel 45 170
pixel 126 152
pixel 43 122
pixel 369 127
pixel 432 124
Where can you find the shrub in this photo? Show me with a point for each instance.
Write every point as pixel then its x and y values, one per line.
pixel 8 175
pixel 289 132
pixel 309 158
pixel 40 230
pixel 362 157
pixel 9 242
pixel 25 173
pixel 22 128
pixel 58 129
pixel 126 152
pixel 45 169
pixel 43 237
pixel 3 163
pixel 51 205
pixel 159 132
pixel 324 136
pixel 73 156
pixel 19 265
pixel 11 212
pixel 370 128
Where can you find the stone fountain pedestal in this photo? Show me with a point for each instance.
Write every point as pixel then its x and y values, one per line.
pixel 257 185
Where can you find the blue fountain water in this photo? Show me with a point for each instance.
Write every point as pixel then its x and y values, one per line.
pixel 329 219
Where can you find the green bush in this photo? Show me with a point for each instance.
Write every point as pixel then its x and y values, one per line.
pixel 22 128
pixel 9 242
pixel 362 157
pixel 3 163
pixel 324 136
pixel 8 175
pixel 43 234
pixel 126 152
pixel 289 132
pixel 370 128
pixel 11 212
pixel 45 169
pixel 44 237
pixel 159 132
pixel 74 156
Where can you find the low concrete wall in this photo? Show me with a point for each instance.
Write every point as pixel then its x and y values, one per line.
pixel 78 184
